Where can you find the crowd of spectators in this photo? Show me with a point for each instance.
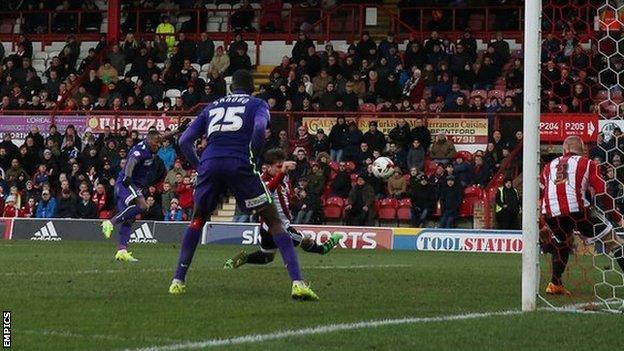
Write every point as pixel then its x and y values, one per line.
pixel 439 74
pixel 65 175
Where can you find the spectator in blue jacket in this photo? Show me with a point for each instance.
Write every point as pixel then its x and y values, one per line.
pixel 167 153
pixel 175 213
pixel 47 206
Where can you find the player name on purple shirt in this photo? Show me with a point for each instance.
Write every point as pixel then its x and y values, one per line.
pixel 234 125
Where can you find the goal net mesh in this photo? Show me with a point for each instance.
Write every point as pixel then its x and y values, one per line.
pixel 582 72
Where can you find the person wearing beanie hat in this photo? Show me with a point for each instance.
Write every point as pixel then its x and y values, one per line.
pixel 451 195
pixel 375 139
pixel 360 209
pixel 508 203
pixel 9 210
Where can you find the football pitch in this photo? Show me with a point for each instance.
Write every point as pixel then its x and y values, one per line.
pixel 73 296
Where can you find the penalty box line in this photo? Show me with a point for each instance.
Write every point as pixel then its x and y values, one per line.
pixel 322 329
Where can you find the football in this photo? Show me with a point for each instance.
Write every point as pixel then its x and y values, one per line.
pixel 383 168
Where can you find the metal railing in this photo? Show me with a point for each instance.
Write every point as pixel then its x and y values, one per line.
pixel 343 22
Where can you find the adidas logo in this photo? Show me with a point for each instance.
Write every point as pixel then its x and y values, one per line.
pixel 143 235
pixel 46 233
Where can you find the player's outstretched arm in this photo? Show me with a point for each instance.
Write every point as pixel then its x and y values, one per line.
pixel 184 123
pixel 194 131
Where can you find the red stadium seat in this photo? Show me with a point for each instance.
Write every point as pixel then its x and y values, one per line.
pixel 333 208
pixel 404 211
pixel 334 165
pixel 368 107
pixel 437 211
pixel 473 191
pixel 472 194
pixel 387 209
pixel 466 208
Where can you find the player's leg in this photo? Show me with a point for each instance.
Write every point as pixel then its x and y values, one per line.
pixel 205 200
pixel 265 255
pixel 251 194
pixel 127 206
pixel 596 227
pixel 125 230
pixel 560 245
pixel 308 244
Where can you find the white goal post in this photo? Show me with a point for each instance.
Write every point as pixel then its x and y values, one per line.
pixel 531 153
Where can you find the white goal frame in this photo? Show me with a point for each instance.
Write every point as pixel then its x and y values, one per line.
pixel 531 154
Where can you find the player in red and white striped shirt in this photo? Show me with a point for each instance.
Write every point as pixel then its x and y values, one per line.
pixel 275 179
pixel 565 183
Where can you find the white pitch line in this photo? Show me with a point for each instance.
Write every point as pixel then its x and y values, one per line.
pixel 322 329
pixel 72 335
pixel 160 270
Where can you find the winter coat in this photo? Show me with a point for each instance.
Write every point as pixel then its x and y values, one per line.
pixel 443 149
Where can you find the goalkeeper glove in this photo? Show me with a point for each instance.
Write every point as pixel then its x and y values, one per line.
pixel 184 125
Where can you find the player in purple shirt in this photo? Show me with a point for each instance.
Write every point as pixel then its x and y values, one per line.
pixel 235 128
pixel 134 177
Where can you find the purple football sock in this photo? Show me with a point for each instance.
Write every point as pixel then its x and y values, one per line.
pixel 124 236
pixel 127 214
pixel 289 256
pixel 189 244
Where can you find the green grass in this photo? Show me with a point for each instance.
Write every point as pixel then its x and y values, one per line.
pixel 72 296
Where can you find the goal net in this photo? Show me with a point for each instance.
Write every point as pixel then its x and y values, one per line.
pixel 582 71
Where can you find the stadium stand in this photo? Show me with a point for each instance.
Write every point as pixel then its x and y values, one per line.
pixel 173 59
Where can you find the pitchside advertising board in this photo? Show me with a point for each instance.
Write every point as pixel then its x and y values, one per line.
pixel 139 123
pixel 147 232
pixel 462 240
pixel 19 126
pixel 558 126
pixel 353 238
pixel 468 134
pixel 365 238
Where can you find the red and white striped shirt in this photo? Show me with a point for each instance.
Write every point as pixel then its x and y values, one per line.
pixel 564 183
pixel 279 188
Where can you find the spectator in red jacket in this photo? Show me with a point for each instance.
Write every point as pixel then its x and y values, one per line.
pixel 28 210
pixel 100 197
pixel 185 195
pixel 10 210
pixel 414 87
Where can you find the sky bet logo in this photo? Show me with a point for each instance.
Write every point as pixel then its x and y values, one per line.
pixel 6 329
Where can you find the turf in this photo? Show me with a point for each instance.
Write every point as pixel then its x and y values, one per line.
pixel 72 296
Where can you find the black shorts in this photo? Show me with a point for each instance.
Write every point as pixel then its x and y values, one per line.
pixel 268 245
pixel 590 224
